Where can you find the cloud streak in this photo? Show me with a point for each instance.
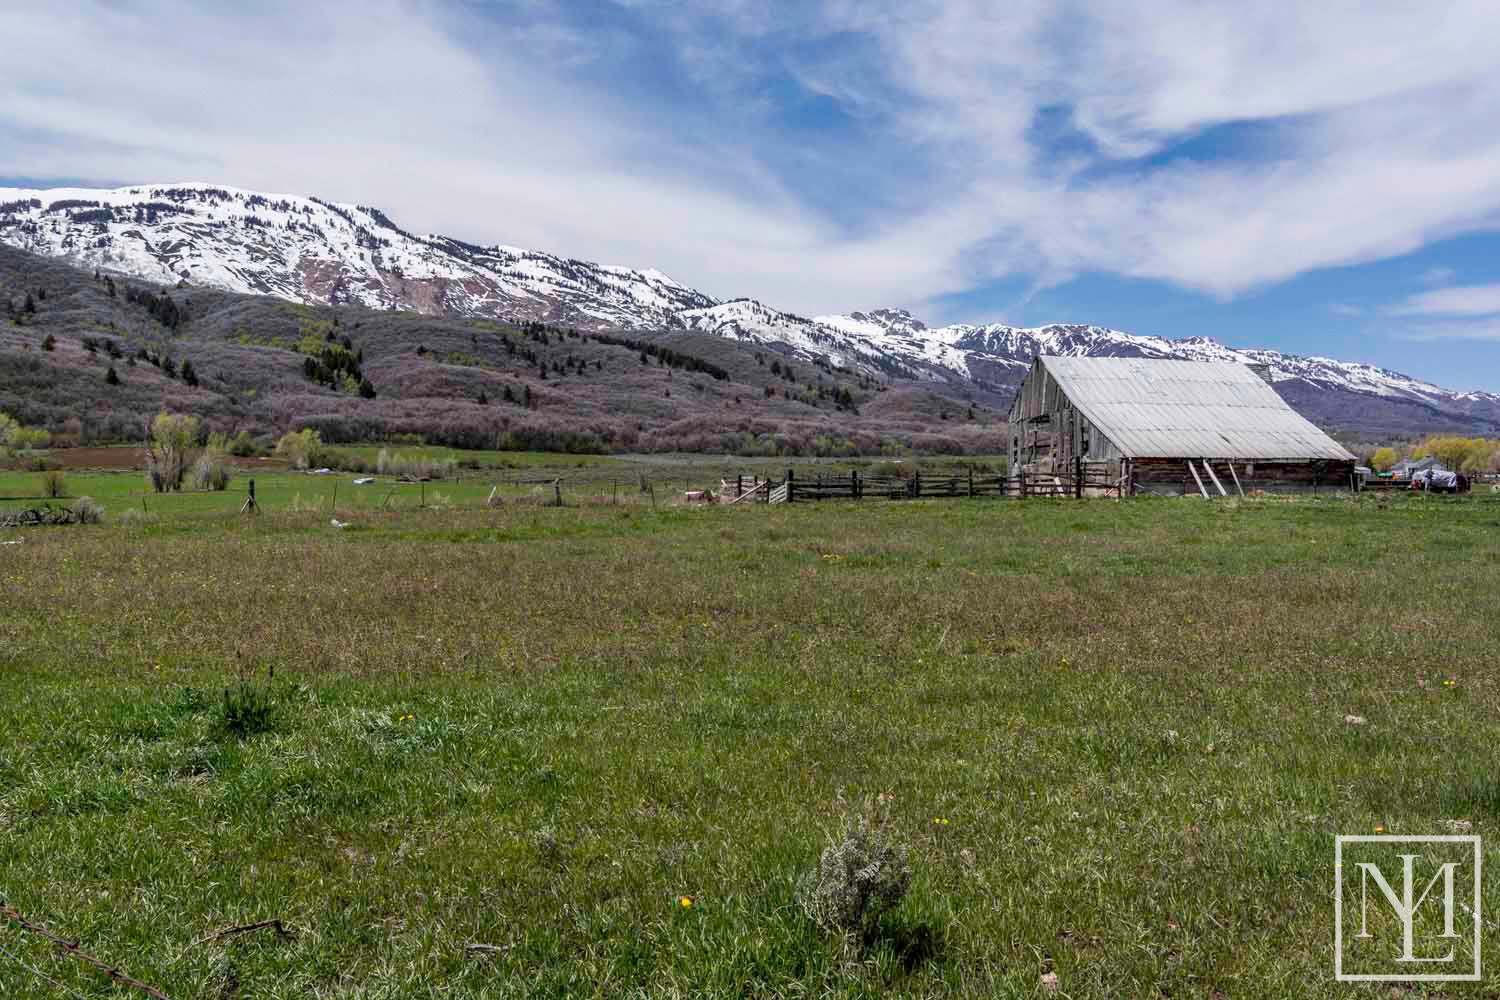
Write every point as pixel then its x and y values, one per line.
pixel 1460 300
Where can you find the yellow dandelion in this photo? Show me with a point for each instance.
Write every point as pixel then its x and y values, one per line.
pixel 686 902
pixel 1379 828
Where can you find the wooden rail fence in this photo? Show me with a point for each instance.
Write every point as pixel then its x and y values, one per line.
pixel 1084 480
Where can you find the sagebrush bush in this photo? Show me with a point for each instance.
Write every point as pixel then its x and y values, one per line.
pixel 858 877
pixel 54 484
pixel 88 511
pixel 211 472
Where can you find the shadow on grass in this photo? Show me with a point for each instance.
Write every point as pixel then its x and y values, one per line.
pixel 912 945
pixel 1479 794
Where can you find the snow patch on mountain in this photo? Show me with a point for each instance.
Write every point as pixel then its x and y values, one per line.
pixel 312 251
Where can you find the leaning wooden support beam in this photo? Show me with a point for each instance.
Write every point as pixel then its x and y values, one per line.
pixel 759 487
pixel 1197 480
pixel 1208 468
pixel 1236 476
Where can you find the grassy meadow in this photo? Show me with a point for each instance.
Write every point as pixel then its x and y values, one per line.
pixel 589 750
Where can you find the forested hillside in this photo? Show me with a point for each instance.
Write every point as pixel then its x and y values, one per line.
pixel 92 356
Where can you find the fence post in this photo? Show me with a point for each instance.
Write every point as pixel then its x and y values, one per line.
pixel 1078 477
pixel 855 480
pixel 971 481
pixel 916 483
pixel 789 487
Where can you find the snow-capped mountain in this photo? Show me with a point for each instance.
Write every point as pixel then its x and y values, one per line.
pixel 308 250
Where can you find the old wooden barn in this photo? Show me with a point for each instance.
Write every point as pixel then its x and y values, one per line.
pixel 1170 427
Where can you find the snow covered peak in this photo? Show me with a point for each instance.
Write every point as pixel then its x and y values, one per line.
pixel 314 251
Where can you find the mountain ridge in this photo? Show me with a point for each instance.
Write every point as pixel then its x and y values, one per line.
pixel 312 251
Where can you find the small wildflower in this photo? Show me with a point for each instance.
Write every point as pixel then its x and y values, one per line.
pixel 939 821
pixel 686 902
pixel 1379 828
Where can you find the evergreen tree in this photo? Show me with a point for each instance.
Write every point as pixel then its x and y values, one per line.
pixel 111 377
pixel 510 397
pixel 483 399
pixel 366 390
pixel 30 307
pixel 530 404
pixel 188 374
pixel 49 342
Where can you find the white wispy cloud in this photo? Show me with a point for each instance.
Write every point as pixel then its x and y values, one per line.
pixel 1460 300
pixel 1487 328
pixel 1376 130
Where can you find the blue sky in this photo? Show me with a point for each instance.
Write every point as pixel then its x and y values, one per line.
pixel 1318 178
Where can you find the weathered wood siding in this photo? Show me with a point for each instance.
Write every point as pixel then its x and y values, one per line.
pixel 1048 433
pixel 1170 476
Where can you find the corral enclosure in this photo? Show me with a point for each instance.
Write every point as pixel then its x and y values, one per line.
pixel 1169 427
pixel 505 744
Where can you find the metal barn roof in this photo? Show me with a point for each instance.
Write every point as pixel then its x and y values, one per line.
pixel 1153 408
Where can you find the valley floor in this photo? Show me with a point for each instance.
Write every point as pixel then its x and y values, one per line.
pixel 603 742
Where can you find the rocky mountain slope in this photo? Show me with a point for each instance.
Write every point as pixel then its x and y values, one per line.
pixel 310 251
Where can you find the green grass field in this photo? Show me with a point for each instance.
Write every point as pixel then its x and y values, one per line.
pixel 627 480
pixel 1112 734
